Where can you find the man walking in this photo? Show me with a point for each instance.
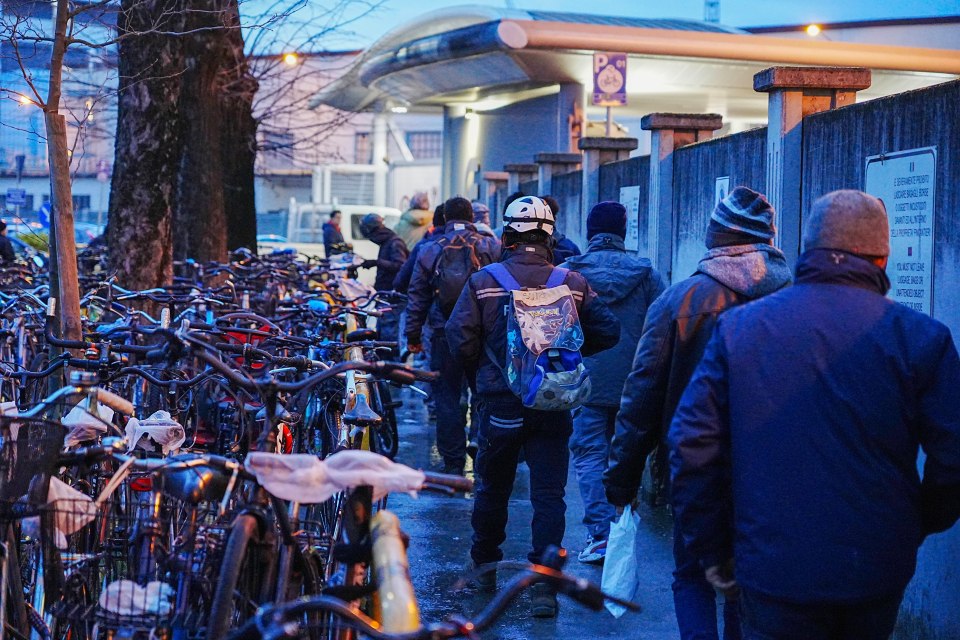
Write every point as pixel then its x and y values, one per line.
pixel 628 285
pixel 439 275
pixel 393 253
pixel 740 265
pixel 333 243
pixel 794 448
pixel 477 333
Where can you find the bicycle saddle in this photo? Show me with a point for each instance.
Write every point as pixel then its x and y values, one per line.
pixel 361 415
pixel 359 335
pixel 195 484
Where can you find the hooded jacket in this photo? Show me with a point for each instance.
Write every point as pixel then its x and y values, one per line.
pixel 795 445
pixel 393 253
pixel 627 285
pixel 678 325
pixel 479 318
pixel 414 223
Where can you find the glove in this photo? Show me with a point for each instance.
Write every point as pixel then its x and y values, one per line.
pixel 368 264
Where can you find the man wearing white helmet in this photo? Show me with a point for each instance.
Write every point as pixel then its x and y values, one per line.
pixel 477 334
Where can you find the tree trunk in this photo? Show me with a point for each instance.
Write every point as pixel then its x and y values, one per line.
pixel 200 220
pixel 64 249
pixel 238 129
pixel 148 144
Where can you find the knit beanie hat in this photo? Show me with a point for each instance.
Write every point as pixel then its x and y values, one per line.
pixel 848 220
pixel 743 217
pixel 481 212
pixel 607 217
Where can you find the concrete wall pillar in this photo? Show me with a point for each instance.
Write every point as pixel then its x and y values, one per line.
pixel 669 132
pixel 490 182
pixel 517 173
pixel 552 164
pixel 794 93
pixel 597 152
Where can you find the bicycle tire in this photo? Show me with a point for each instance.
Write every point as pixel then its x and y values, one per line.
pixel 239 554
pixel 386 436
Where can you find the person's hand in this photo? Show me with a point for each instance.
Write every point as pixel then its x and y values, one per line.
pixel 414 346
pixel 368 264
pixel 633 507
pixel 721 577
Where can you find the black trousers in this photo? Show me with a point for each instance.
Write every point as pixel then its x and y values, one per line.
pixel 767 618
pixel 505 429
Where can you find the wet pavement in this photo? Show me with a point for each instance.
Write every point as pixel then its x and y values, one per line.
pixel 439 530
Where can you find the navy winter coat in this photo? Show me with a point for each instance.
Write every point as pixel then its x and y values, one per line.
pixel 422 308
pixel 795 445
pixel 564 249
pixel 678 326
pixel 479 318
pixel 332 240
pixel 402 282
pixel 393 253
pixel 628 285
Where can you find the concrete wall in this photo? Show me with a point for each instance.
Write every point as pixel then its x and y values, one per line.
pixel 628 173
pixel 566 189
pixel 739 157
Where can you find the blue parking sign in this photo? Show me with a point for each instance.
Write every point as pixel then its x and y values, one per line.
pixel 609 79
pixel 16 197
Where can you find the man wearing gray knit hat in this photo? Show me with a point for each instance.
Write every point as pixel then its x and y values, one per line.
pixel 794 447
pixel 740 265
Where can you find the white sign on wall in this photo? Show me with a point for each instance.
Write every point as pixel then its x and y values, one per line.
pixel 630 198
pixel 905 181
pixel 720 189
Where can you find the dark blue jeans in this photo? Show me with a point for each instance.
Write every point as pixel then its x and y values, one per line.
pixel 590 445
pixel 447 391
pixel 766 618
pixel 695 600
pixel 506 428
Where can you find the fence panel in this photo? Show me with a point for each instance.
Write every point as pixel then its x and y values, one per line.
pixel 634 172
pixel 566 189
pixel 698 170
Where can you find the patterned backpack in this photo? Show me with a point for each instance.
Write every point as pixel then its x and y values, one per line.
pixel 544 367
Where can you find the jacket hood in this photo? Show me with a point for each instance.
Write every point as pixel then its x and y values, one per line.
pixel 833 266
pixel 417 217
pixel 612 272
pixel 752 270
pixel 381 236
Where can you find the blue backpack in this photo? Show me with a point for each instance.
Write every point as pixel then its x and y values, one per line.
pixel 543 367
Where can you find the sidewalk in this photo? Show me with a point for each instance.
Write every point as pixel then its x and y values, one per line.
pixel 439 530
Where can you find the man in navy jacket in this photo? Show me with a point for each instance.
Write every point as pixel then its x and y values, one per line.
pixel 794 447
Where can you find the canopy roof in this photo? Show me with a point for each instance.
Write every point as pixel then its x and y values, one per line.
pixel 485 57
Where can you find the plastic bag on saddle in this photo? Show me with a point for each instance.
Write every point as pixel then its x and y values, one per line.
pixel 307 479
pixel 160 429
pixel 83 425
pixel 127 598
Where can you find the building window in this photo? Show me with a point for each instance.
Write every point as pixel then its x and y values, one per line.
pixel 81 203
pixel 425 145
pixel 362 148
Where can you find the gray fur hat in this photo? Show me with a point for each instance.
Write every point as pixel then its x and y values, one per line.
pixel 848 220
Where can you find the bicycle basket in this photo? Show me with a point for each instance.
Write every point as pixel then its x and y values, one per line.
pixel 28 454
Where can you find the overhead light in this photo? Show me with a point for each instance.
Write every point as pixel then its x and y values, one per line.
pixel 398 109
pixel 470 115
pixel 813 30
pixel 25 100
pixel 291 59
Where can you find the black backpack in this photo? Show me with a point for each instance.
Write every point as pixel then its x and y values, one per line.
pixel 458 260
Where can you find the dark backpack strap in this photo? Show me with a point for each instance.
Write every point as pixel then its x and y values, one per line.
pixel 502 276
pixel 557 277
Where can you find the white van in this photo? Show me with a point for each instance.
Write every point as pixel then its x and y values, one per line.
pixel 305 228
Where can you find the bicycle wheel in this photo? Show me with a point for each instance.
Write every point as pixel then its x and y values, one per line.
pixel 386 436
pixel 240 586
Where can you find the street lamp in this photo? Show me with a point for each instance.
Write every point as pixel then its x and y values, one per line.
pixel 813 30
pixel 291 59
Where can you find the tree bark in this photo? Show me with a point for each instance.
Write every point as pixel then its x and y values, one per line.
pixel 148 145
pixel 238 130
pixel 63 245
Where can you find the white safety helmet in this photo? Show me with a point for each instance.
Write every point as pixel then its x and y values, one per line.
pixel 529 213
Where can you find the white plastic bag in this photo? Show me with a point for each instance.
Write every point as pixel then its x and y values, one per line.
pixel 620 565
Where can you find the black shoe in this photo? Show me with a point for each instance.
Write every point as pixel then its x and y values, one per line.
pixel 486 581
pixel 543 601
